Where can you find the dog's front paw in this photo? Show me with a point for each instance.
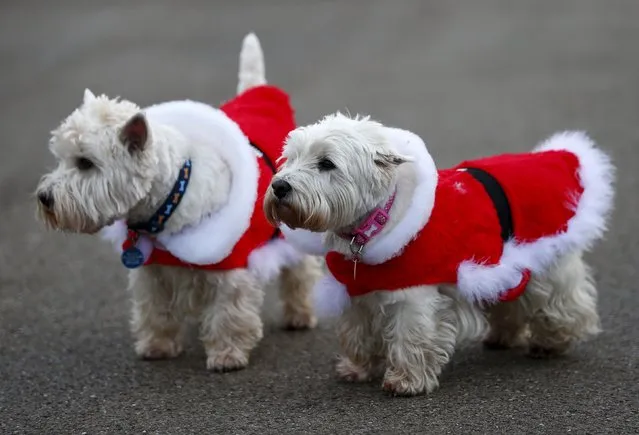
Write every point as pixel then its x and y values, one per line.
pixel 350 372
pixel 407 385
pixel 402 387
pixel 299 320
pixel 227 360
pixel 157 348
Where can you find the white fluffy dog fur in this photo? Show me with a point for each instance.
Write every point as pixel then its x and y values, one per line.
pixel 408 336
pixel 104 179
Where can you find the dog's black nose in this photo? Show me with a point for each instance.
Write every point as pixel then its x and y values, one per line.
pixel 46 199
pixel 281 188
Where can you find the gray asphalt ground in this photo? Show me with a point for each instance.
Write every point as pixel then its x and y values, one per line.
pixel 473 78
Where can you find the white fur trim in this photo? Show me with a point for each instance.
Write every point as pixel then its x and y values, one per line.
pixel 596 172
pixel 306 241
pixel 267 261
pixel 386 246
pixel 330 297
pixel 213 239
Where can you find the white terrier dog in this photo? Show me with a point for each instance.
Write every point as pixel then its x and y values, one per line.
pixel 178 187
pixel 422 260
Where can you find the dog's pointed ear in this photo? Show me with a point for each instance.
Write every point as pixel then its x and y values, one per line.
pixel 386 160
pixel 88 96
pixel 135 133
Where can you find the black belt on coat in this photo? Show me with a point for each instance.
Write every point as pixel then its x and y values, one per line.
pixel 499 199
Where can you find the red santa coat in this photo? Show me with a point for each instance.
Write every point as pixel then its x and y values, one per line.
pixel 559 195
pixel 464 226
pixel 264 116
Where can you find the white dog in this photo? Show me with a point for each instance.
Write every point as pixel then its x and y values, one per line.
pixel 422 260
pixel 178 187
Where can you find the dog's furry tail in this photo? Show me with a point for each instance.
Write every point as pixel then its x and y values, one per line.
pixel 251 72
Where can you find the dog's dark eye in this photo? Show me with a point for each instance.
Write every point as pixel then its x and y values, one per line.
pixel 325 165
pixel 84 164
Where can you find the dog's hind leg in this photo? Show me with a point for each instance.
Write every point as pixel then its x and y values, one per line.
pixel 251 71
pixel 569 313
pixel 296 291
pixel 508 325
pixel 230 323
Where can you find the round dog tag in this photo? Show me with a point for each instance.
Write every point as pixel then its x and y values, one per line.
pixel 132 258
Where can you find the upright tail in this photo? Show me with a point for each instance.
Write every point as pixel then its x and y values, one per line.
pixel 251 64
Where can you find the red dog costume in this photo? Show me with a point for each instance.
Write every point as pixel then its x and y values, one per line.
pixel 559 197
pixel 255 124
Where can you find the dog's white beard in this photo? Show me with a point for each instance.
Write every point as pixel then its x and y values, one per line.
pixel 317 206
pixel 87 202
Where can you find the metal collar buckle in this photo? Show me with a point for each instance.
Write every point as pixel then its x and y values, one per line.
pixel 356 249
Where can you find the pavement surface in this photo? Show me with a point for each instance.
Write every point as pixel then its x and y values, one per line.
pixel 472 78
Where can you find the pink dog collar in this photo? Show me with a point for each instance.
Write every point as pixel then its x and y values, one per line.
pixel 372 226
